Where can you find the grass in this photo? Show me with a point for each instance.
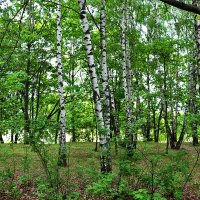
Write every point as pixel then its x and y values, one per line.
pixel 19 161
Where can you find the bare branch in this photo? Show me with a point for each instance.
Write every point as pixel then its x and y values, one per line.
pixel 183 6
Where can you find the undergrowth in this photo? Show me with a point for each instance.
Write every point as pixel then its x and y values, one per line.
pixel 149 174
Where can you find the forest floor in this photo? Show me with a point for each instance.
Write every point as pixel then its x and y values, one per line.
pixel 27 175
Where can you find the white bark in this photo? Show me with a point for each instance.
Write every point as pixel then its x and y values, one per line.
pixel 124 71
pixel 127 76
pixel 104 67
pixel 104 144
pixel 128 55
pixel 62 149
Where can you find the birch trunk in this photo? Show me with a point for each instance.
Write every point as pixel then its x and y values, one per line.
pixel 62 161
pixel 28 137
pixel 128 55
pixel 127 78
pixel 105 159
pixel 129 74
pixel 104 68
pixel 105 77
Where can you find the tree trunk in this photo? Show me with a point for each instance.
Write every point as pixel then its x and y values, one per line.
pixel 12 136
pixel 32 110
pixel 164 103
pixel 38 94
pixel 171 99
pixel 28 137
pixel 1 139
pixel 114 117
pixel 26 101
pixel 183 6
pixel 16 138
pixel 133 136
pixel 181 137
pixel 176 106
pixel 148 126
pixel 195 70
pixel 127 85
pixel 57 129
pixel 72 77
pixel 159 120
pixel 105 158
pixel 170 139
pixel 157 126
pixel 104 68
pixel 62 161
pixel 105 73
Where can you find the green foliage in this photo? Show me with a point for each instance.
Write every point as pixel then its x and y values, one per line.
pixel 5 175
pixel 7 184
pixel 45 191
pixel 25 179
pixel 102 187
pixel 26 160
pixel 13 189
pixel 108 187
pixel 172 175
pixel 111 186
pixel 168 177
pixel 144 194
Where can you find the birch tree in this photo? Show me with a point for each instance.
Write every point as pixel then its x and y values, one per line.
pixel 104 66
pixel 62 148
pixel 105 72
pixel 27 81
pixel 127 78
pixel 105 158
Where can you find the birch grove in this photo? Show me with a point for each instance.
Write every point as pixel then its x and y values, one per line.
pixel 124 71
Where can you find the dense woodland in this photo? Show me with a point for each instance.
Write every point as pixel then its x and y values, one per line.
pixel 115 81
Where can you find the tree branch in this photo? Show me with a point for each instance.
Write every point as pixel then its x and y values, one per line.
pixel 183 6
